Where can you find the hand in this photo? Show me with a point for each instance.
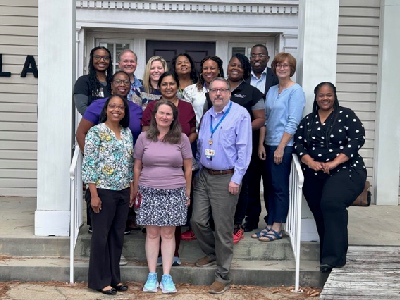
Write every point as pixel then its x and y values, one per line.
pixel 261 152
pixel 326 167
pixel 278 155
pixel 233 188
pixel 96 204
pixel 315 165
pixel 187 197
pixel 132 196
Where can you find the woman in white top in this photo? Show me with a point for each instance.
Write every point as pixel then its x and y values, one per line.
pixel 210 68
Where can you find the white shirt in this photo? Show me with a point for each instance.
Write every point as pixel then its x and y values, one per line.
pixel 197 99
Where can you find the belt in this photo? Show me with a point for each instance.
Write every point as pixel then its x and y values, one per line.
pixel 219 172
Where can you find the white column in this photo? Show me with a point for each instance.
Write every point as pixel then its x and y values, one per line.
pixel 387 132
pixel 316 62
pixel 56 57
pixel 318 33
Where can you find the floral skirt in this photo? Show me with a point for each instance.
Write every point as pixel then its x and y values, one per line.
pixel 162 207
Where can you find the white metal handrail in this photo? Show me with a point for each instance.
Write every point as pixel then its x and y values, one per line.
pixel 293 221
pixel 76 188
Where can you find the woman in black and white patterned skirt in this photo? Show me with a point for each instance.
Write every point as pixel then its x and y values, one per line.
pixel 164 187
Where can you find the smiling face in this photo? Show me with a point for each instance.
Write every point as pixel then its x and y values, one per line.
pixel 101 60
pixel 235 70
pixel 115 109
pixel 168 87
pixel 209 70
pixel 128 63
pixel 182 66
pixel 258 59
pixel 219 94
pixel 164 116
pixel 325 98
pixel 156 69
pixel 120 84
pixel 283 69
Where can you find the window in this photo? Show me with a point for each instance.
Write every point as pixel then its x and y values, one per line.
pixel 115 47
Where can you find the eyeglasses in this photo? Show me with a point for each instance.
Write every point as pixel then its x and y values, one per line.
pixel 218 90
pixel 282 66
pixel 260 55
pixel 99 57
pixel 124 82
pixel 115 106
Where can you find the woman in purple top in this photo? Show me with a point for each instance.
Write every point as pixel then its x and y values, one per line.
pixel 120 84
pixel 162 178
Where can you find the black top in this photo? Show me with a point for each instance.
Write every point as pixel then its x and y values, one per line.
pixel 82 87
pixel 342 132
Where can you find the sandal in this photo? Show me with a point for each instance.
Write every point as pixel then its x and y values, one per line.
pixel 261 233
pixel 271 236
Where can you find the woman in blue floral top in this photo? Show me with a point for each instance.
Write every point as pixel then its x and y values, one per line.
pixel 108 170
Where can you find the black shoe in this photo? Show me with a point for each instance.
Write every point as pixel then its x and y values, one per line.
pixel 111 291
pixel 121 287
pixel 127 231
pixel 247 227
pixel 90 230
pixel 325 268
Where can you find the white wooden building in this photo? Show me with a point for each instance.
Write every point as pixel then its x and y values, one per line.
pixel 351 42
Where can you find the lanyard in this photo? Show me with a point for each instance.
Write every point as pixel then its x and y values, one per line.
pixel 219 123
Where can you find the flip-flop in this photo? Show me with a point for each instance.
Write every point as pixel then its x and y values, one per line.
pixel 271 236
pixel 261 233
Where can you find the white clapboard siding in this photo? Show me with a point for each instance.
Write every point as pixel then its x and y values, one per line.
pixel 357 66
pixel 18 98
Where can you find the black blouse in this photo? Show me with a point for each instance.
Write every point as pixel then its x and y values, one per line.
pixel 342 132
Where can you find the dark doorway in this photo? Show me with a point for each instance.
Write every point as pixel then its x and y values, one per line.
pixel 168 49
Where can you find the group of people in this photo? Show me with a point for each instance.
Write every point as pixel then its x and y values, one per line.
pixel 191 149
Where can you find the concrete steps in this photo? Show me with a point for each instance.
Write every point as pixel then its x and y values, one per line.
pixel 255 263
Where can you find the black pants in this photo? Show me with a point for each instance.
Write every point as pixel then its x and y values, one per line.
pixel 328 197
pixel 107 238
pixel 256 171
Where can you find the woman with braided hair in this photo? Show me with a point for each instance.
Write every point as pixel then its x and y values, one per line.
pixel 96 84
pixel 327 142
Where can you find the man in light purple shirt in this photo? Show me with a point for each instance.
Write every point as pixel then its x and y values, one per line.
pixel 224 152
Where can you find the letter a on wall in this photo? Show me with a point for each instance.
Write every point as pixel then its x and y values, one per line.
pixel 30 66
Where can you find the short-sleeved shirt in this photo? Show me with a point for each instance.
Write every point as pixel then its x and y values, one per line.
pixel 162 162
pixel 147 98
pixel 186 116
pixel 92 114
pixel 197 98
pixel 108 161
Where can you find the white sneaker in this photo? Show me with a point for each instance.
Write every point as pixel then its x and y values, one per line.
pixel 123 261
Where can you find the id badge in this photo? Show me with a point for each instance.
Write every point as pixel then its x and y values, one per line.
pixel 209 153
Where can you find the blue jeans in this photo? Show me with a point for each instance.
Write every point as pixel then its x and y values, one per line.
pixel 278 184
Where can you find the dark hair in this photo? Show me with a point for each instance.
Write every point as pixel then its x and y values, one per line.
pixel 193 73
pixel 261 46
pixel 94 83
pixel 168 73
pixel 244 61
pixel 281 57
pixel 216 59
pixel 125 120
pixel 311 128
pixel 173 136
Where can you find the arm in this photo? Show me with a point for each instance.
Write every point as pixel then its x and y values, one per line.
pixel 187 168
pixel 81 102
pixel 243 147
pixel 137 169
pixel 83 128
pixel 81 94
pixel 259 119
pixel 192 135
pixel 261 147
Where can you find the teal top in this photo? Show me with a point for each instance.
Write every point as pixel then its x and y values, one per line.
pixel 107 161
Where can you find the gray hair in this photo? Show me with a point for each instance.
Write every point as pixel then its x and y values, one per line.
pixel 126 51
pixel 221 79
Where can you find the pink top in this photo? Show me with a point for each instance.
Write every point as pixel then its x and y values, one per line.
pixel 162 162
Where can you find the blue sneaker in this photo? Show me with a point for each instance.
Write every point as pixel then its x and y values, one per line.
pixel 151 284
pixel 167 284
